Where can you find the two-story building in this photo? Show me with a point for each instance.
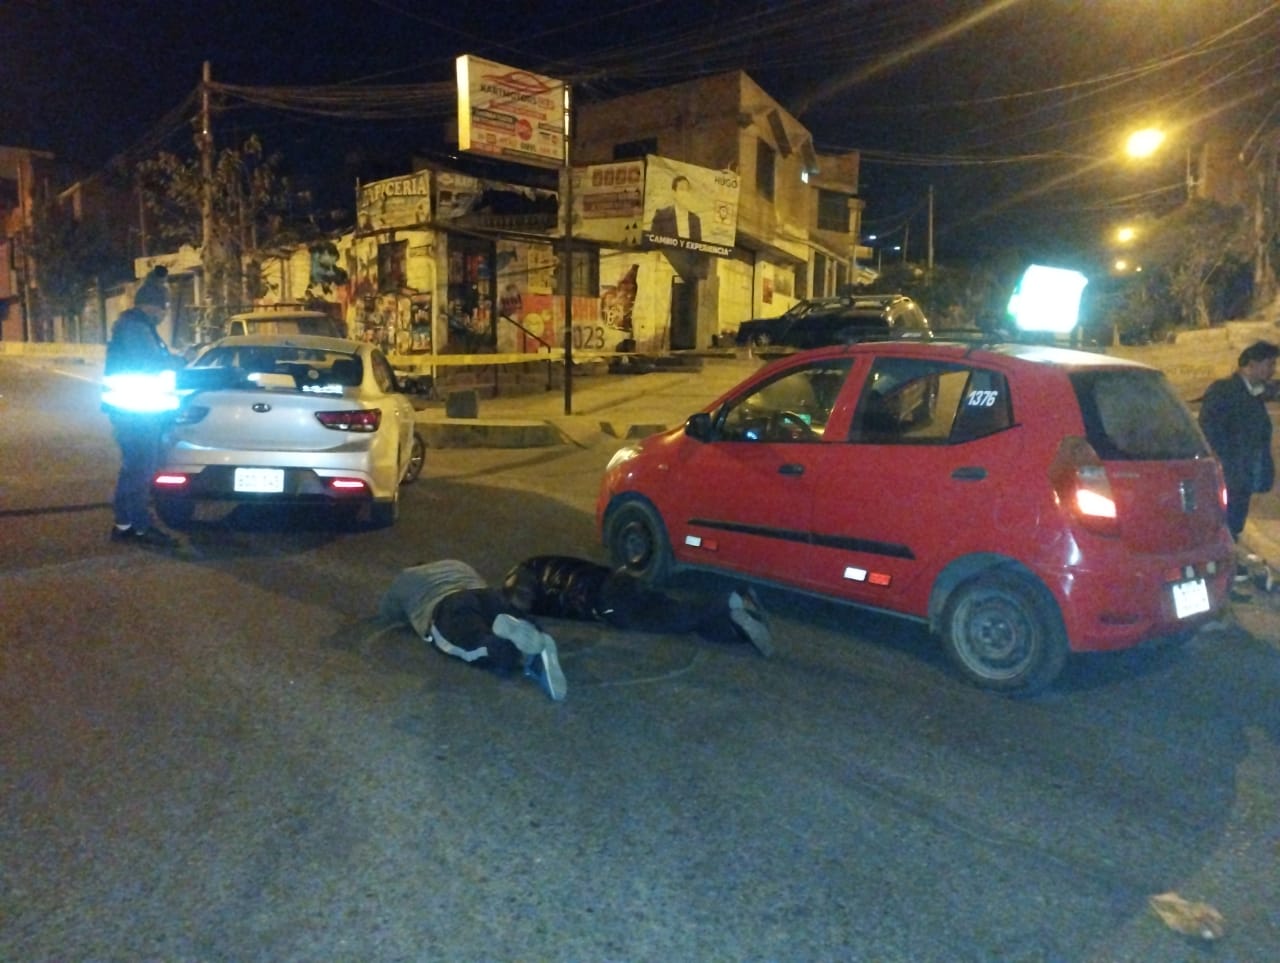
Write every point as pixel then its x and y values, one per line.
pixel 798 215
pixel 25 180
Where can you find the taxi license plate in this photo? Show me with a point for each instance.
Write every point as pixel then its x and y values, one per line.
pixel 1190 598
pixel 259 479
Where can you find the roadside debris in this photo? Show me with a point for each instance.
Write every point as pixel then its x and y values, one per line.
pixel 1191 918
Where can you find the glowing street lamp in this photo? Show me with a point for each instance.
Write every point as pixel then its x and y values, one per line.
pixel 1125 234
pixel 1144 143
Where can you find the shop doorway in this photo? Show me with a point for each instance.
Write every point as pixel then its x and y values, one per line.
pixel 470 307
pixel 684 314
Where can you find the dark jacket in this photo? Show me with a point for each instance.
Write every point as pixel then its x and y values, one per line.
pixel 136 346
pixel 565 587
pixel 1238 427
pixel 664 224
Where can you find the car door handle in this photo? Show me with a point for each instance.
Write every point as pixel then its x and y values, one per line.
pixel 969 473
pixel 791 468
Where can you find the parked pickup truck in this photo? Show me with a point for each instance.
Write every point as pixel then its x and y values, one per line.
pixel 285 322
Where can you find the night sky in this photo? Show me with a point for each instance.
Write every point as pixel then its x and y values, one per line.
pixel 1012 110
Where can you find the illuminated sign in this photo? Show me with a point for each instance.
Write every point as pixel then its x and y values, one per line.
pixel 509 113
pixel 1047 299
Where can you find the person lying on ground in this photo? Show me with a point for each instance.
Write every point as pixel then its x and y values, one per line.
pixel 450 605
pixel 566 587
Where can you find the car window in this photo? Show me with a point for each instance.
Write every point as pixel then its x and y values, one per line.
pixel 265 365
pixel 907 401
pixel 1135 415
pixel 985 406
pixel 793 407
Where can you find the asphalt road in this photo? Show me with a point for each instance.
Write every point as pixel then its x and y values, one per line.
pixel 223 755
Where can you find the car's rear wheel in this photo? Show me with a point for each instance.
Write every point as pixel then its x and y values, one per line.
pixel 176 512
pixel 417 456
pixel 637 541
pixel 1004 632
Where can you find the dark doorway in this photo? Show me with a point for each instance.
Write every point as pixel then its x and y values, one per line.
pixel 684 314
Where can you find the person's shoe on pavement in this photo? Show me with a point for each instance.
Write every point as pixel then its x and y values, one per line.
pixel 544 669
pixel 524 635
pixel 746 612
pixel 150 537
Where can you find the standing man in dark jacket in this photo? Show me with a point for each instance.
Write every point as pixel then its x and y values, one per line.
pixel 138 394
pixel 1235 419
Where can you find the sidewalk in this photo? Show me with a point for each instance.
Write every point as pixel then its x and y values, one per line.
pixel 602 407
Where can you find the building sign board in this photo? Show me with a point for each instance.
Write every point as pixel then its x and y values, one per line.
pixel 395 202
pixel 510 113
pixel 608 202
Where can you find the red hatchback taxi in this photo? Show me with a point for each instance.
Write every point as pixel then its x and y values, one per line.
pixel 1024 501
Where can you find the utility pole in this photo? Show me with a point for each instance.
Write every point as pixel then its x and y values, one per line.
pixel 906 240
pixel 930 256
pixel 568 257
pixel 206 187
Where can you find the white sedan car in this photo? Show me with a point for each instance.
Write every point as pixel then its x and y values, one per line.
pixel 290 419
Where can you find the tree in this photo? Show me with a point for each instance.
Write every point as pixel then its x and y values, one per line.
pixel 1193 256
pixel 72 256
pixel 250 211
pixel 951 296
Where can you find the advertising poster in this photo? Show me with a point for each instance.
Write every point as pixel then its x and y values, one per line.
pixel 608 202
pixel 510 113
pixel 689 207
pixel 396 202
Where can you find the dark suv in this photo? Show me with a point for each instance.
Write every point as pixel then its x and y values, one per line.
pixel 819 322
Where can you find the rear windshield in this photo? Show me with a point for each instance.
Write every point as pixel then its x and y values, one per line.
pixel 309 369
pixel 1134 415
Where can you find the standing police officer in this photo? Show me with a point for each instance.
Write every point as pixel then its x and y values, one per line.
pixel 139 396
pixel 1234 417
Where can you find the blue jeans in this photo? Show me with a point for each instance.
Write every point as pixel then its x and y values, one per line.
pixel 139 439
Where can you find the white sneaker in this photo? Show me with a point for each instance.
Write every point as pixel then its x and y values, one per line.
pixel 544 669
pixel 748 615
pixel 524 635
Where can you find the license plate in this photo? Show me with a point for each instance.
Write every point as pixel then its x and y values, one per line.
pixel 1190 598
pixel 259 479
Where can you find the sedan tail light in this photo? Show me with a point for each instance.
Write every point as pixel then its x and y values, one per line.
pixel 360 419
pixel 1080 481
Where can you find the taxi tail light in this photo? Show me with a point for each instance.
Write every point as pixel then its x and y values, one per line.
pixel 1080 481
pixel 171 480
pixel 359 419
pixel 348 486
pixel 1220 479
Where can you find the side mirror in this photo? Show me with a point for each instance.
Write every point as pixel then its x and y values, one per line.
pixel 698 427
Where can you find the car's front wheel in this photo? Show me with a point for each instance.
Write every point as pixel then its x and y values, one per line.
pixel 1004 632
pixel 637 541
